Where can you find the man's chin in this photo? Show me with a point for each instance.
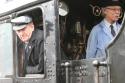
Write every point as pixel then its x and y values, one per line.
pixel 24 40
pixel 116 19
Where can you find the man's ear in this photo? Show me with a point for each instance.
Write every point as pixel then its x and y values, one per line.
pixel 103 11
pixel 32 26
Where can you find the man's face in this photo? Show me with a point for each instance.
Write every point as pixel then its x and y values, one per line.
pixel 25 33
pixel 112 13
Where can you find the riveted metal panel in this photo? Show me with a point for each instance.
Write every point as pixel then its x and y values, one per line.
pixel 83 71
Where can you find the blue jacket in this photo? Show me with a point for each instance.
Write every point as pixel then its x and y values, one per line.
pixel 100 37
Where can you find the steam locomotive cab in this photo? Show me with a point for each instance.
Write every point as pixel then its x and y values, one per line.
pixel 66 25
pixel 77 25
pixel 75 29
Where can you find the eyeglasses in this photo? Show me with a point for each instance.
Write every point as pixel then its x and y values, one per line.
pixel 114 9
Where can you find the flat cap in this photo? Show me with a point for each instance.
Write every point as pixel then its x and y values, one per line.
pixel 20 22
pixel 105 3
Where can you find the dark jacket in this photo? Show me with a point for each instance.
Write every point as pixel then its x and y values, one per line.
pixel 33 59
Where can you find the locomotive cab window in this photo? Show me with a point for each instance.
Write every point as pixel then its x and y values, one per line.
pixel 28 28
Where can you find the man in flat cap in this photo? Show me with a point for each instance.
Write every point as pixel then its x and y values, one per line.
pixel 30 45
pixel 103 33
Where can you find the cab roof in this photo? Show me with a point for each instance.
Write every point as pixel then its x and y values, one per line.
pixel 10 6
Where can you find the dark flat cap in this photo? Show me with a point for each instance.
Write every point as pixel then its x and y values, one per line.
pixel 105 3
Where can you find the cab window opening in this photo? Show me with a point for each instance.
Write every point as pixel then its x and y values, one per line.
pixel 76 26
pixel 28 27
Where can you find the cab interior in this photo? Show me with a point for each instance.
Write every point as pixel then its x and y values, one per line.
pixel 76 26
